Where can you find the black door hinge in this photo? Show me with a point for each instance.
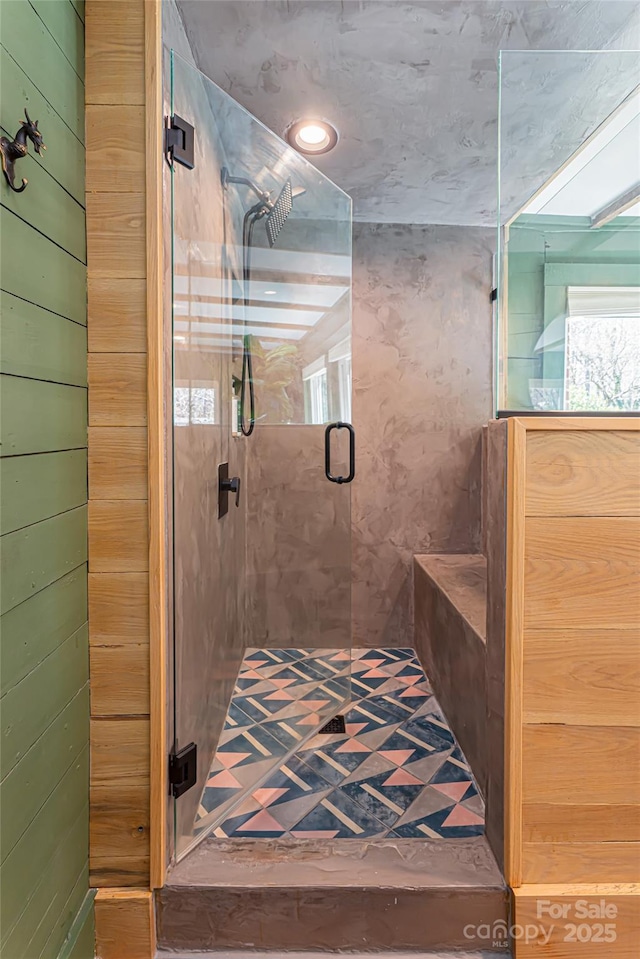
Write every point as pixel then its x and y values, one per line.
pixel 183 770
pixel 494 295
pixel 179 141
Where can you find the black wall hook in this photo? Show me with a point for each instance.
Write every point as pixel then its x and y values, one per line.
pixel 16 149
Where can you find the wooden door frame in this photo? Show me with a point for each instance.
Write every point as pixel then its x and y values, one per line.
pixel 128 557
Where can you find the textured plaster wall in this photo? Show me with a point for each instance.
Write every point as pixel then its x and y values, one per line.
pixel 412 86
pixel 422 336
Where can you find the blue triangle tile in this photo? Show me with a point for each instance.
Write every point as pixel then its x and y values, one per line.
pixel 321 818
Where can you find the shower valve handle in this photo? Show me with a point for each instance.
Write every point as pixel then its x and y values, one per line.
pixel 231 485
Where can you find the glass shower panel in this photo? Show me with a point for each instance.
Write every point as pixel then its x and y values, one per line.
pixel 262 365
pixel 569 222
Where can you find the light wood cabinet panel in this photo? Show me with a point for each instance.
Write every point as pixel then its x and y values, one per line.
pixel 118 608
pixel 118 536
pixel 590 822
pixel 582 572
pixel 591 473
pixel 117 389
pixel 117 463
pixel 582 677
pixel 581 862
pixel 580 764
pixel 530 910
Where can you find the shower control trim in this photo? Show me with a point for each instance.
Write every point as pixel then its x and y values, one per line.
pixel 226 484
pixel 327 453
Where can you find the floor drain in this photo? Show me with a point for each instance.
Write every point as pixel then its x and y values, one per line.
pixel 335 725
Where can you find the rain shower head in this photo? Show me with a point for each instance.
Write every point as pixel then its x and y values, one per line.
pixel 279 212
pixel 276 212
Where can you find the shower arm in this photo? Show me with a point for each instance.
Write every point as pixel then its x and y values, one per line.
pixel 264 197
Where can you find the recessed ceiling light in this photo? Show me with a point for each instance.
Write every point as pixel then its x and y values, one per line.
pixel 270 292
pixel 312 136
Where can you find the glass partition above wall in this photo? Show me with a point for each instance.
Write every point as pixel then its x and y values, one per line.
pixel 568 333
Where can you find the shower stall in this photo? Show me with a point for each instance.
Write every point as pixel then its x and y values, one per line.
pixel 262 450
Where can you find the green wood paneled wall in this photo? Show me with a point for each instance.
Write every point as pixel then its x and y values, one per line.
pixel 45 910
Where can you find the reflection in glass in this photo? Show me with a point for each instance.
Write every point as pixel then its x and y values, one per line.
pixel 261 280
pixel 569 220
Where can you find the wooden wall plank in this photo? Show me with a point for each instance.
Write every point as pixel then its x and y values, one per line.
pixel 32 630
pixel 117 317
pixel 40 842
pixel 36 52
pixel 571 676
pixel 120 680
pixel 120 822
pixel 58 923
pixel 118 608
pixel 553 940
pixel 109 871
pixel 64 159
pixel 515 545
pixel 64 25
pixel 578 569
pixel 118 463
pixel 48 208
pixel 44 650
pixel 118 536
pixel 28 708
pixel 588 822
pixel 37 487
pixel 41 345
pixel 117 389
pixel 115 52
pixel 35 557
pixel 41 768
pixel 559 764
pixel 583 473
pixel 581 862
pixel 79 6
pixel 125 924
pixel 115 148
pixel 117 181
pixel 119 752
pixel 66 869
pixel 59 283
pixel 39 417
pixel 115 234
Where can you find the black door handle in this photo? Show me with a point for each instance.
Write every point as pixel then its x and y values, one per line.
pixel 327 452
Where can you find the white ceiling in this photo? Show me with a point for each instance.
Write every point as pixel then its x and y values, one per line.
pixel 412 88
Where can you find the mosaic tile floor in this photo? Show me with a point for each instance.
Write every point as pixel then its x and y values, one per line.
pixel 397 771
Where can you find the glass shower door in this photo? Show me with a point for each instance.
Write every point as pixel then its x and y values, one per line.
pixel 261 276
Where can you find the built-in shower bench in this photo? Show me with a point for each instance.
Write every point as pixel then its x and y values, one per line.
pixel 450 638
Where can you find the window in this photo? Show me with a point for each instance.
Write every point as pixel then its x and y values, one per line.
pixel 341 356
pixel 314 378
pixel 194 404
pixel 602 348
